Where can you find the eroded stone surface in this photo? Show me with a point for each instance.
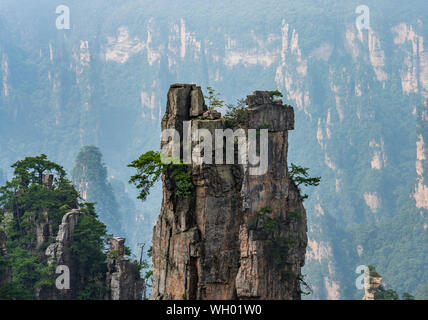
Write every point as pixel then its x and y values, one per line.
pixel 123 279
pixel 214 244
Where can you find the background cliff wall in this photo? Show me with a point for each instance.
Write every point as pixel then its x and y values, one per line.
pixel 215 243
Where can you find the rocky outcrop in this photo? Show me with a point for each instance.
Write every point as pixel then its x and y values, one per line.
pixel 123 278
pixel 237 235
pixel 372 285
pixel 59 253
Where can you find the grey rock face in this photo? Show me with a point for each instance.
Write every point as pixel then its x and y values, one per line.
pixel 259 98
pixel 123 280
pixel 197 102
pixel 58 251
pixel 43 228
pixel 218 243
pixel 211 115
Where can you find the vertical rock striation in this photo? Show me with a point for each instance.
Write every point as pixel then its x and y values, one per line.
pixel 123 279
pixel 59 253
pixel 236 236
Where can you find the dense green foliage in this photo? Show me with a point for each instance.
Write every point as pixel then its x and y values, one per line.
pixel 89 242
pixel 407 296
pixel 25 194
pixel 149 169
pixel 276 95
pixel 383 293
pixel 236 114
pixel 23 203
pixel 300 176
pixel 262 219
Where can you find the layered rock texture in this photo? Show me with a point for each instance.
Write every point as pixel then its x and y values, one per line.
pixel 123 279
pixel 237 235
pixel 58 253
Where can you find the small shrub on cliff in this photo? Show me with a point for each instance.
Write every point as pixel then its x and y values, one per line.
pixel 276 95
pixel 89 240
pixel 263 219
pixel 26 199
pixel 183 183
pixel 149 169
pixel 300 176
pixel 236 114
pixel 213 98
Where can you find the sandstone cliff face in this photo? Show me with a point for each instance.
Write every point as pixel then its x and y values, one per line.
pixel 123 280
pixel 237 236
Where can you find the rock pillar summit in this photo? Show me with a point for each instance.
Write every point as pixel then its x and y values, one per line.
pixel 237 235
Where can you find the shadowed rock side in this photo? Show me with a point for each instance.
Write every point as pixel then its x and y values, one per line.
pixel 236 236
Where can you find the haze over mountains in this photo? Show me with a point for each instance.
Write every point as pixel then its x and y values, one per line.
pixel 360 99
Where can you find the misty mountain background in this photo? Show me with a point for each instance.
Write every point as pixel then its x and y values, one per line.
pixel 360 99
